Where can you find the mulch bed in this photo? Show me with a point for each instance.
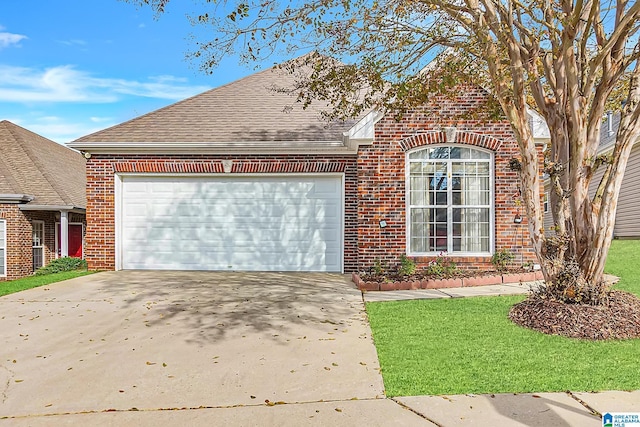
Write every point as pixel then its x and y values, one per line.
pixel 619 318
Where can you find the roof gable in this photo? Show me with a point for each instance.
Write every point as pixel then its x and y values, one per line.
pixel 36 166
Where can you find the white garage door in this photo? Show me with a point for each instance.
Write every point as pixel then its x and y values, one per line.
pixel 269 223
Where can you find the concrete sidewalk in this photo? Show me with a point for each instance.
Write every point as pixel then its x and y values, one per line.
pixel 527 410
pixel 472 291
pixel 518 288
pixel 538 409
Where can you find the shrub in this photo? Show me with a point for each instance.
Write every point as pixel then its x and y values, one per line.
pixel 407 266
pixel 440 267
pixel 502 259
pixel 378 269
pixel 62 264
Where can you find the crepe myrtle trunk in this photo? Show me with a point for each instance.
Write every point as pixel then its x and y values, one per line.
pixel 571 258
pixel 573 255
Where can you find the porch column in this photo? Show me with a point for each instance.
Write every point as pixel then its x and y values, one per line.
pixel 64 234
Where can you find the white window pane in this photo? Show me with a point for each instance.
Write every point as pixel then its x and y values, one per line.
pixel 470 168
pixel 478 154
pixel 38 258
pixel 469 229
pixel 420 154
pixel 38 233
pixel 428 168
pixel 459 153
pixel 417 198
pixel 484 184
pixel 439 153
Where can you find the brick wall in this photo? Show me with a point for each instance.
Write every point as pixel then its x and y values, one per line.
pixel 100 236
pixel 19 238
pixel 382 187
pixel 19 253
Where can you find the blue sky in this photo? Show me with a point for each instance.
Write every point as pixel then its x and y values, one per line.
pixel 72 67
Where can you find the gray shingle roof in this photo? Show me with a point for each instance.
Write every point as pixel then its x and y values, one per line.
pixel 33 165
pixel 248 111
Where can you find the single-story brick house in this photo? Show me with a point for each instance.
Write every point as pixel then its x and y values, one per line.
pixel 241 177
pixel 42 201
pixel 627 225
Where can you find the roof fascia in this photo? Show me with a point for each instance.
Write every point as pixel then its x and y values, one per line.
pixel 16 198
pixel 74 209
pixel 363 132
pixel 271 147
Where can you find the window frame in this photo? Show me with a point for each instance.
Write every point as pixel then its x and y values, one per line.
pixel 3 259
pixel 449 206
pixel 41 246
pixel 545 202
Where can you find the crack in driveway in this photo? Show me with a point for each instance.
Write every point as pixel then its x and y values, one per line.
pixel 5 390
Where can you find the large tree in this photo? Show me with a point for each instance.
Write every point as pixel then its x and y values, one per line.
pixel 569 60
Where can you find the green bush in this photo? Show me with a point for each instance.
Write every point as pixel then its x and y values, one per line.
pixel 407 266
pixel 62 264
pixel 441 267
pixel 502 259
pixel 378 268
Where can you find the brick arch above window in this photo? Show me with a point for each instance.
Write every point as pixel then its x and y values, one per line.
pixel 461 137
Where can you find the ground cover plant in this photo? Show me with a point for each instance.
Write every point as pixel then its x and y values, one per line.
pixel 457 346
pixel 62 264
pixel 12 286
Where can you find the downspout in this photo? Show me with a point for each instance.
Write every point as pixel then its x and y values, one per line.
pixel 64 234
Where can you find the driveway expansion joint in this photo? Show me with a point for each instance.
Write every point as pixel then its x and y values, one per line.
pixel 195 408
pixel 410 409
pixel 583 403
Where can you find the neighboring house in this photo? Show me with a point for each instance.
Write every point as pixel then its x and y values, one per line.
pixel 42 201
pixel 627 225
pixel 243 178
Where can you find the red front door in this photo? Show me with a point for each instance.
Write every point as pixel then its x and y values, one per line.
pixel 75 240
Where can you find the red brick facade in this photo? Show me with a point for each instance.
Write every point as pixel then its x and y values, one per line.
pixel 382 182
pixel 374 183
pixel 19 251
pixel 100 240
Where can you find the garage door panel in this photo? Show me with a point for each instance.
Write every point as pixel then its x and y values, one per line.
pixel 241 223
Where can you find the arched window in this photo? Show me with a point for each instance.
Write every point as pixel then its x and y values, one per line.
pixel 450 200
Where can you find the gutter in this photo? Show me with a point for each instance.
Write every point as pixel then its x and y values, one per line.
pixel 254 147
pixel 74 209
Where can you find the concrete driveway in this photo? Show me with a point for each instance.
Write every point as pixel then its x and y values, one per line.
pixel 195 348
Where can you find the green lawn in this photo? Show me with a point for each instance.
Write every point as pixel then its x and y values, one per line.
pixel 458 346
pixel 624 262
pixel 18 285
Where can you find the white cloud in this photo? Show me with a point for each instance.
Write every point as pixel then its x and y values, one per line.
pixel 60 129
pixel 73 42
pixel 67 84
pixel 100 119
pixel 10 39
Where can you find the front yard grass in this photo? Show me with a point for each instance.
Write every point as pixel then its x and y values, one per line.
pixel 458 346
pixel 18 285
